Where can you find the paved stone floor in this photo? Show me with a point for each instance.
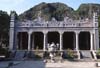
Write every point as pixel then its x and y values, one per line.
pixel 41 64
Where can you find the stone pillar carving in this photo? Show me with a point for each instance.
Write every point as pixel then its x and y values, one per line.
pixel 45 41
pixel 29 40
pixel 61 40
pixel 91 41
pixel 12 31
pixel 11 39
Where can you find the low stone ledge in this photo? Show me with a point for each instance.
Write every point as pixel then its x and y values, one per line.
pixel 98 64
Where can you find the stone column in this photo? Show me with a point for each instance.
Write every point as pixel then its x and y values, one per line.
pixel 61 40
pixel 16 40
pixel 11 39
pixel 91 41
pixel 45 41
pixel 77 43
pixel 33 41
pixel 29 40
pixel 12 31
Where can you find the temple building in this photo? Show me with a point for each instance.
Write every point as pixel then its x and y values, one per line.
pixel 78 35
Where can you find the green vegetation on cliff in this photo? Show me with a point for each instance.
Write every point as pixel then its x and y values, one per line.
pixel 59 11
pixel 48 10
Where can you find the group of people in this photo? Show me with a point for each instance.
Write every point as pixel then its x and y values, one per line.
pixel 52 48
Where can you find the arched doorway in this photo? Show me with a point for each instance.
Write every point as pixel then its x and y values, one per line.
pixel 22 40
pixel 84 41
pixel 68 40
pixel 53 37
pixel 37 40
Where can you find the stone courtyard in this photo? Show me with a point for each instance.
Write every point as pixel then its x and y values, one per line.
pixel 41 64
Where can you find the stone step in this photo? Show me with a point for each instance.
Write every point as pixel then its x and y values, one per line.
pixel 19 55
pixel 86 55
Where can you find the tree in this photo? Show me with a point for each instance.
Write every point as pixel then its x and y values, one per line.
pixel 4 27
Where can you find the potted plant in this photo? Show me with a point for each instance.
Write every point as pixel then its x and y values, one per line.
pixel 69 54
pixel 4 53
pixel 98 54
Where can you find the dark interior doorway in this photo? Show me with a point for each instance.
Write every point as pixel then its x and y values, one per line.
pixel 53 37
pixel 69 40
pixel 84 41
pixel 38 40
pixel 22 40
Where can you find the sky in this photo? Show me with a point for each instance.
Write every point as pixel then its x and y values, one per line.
pixel 22 5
